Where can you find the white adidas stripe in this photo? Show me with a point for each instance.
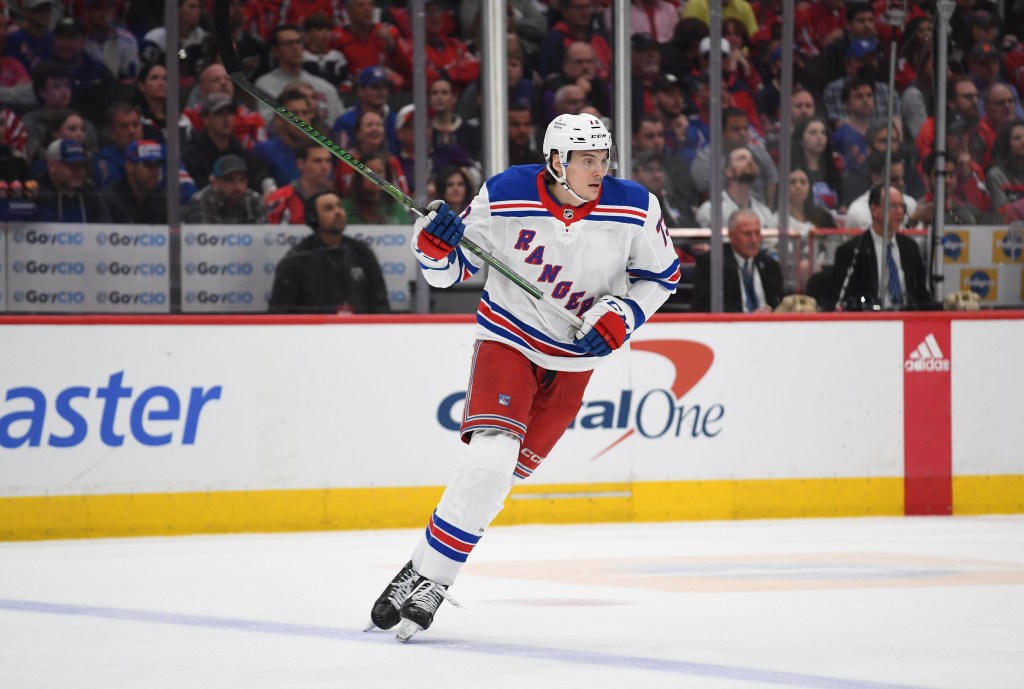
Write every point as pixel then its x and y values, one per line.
pixel 929 349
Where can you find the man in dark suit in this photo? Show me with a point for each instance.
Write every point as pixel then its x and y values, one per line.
pixel 752 278
pixel 858 262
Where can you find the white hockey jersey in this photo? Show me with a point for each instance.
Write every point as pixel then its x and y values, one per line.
pixel 617 245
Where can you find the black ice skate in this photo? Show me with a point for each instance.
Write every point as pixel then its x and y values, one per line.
pixel 419 608
pixel 385 612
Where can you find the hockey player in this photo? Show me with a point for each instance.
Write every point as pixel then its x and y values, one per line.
pixel 598 247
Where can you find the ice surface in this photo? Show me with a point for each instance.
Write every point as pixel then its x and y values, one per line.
pixel 922 603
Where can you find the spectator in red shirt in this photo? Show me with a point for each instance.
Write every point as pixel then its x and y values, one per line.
pixel 295 11
pixel 999 111
pixel 15 82
pixel 287 204
pixel 822 23
pixel 367 43
pixel 577 25
pixel 447 57
pixel 247 126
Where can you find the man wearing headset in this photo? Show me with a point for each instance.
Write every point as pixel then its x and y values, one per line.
pixel 596 246
pixel 328 272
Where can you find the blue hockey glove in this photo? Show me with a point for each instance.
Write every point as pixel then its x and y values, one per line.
pixel 439 231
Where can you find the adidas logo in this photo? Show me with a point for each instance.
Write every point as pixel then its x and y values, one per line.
pixel 927 357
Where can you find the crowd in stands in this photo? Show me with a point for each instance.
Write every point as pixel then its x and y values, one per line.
pixel 83 103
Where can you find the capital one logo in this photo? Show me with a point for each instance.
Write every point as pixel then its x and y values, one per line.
pixel 654 413
pixel 659 412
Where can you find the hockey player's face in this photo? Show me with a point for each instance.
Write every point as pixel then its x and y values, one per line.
pixel 585 171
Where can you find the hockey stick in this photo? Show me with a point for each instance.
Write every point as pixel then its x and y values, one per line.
pixel 229 57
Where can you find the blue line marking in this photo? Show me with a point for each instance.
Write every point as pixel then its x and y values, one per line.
pixel 561 655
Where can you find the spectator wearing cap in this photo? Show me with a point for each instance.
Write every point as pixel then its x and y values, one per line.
pixel 859 24
pixel 65 192
pixel 861 63
pixel 736 9
pixel 446 56
pixel 247 126
pixel 93 87
pixel 962 33
pixel 286 48
pixel 649 171
pixel 579 68
pixel 137 198
pixel 669 105
pixel 984 64
pixel 279 152
pixel 110 43
pixel 216 140
pixel 195 43
pixel 735 79
pixel 328 272
pixel 373 88
pixel 287 204
pixel 366 42
pixel 577 24
pixel 228 200
pixel 318 57
pixel 32 42
pixel 15 82
pixel 406 154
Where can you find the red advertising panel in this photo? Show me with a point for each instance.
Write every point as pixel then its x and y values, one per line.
pixel 928 457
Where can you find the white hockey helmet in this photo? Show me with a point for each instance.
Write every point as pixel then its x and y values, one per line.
pixel 575 133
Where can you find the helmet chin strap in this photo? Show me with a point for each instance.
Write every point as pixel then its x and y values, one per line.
pixel 563 181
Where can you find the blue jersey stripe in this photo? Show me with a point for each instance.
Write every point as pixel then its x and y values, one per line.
pixel 650 275
pixel 528 329
pixel 627 219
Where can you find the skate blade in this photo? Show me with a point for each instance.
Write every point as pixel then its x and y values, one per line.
pixel 371 627
pixel 407 630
